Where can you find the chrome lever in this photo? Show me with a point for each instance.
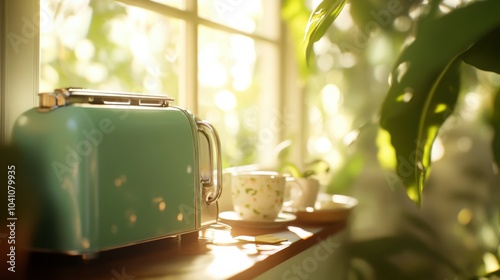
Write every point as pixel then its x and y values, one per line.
pixel 214 144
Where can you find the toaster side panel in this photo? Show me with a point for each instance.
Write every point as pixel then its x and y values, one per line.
pixel 59 160
pixel 147 175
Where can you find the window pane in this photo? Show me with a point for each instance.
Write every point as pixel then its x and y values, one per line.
pixel 237 90
pixel 105 45
pixel 253 16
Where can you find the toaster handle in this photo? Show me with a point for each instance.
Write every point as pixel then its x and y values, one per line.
pixel 213 144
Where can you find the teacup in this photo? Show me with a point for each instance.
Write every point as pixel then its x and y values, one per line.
pixel 258 195
pixel 300 193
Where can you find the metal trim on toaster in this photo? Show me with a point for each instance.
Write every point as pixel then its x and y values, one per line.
pixel 67 96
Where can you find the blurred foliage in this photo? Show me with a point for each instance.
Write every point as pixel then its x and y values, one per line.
pixel 341 66
pixel 310 169
pixel 379 251
pixel 425 79
pixel 430 76
pixel 495 121
pixel 384 12
pixel 427 42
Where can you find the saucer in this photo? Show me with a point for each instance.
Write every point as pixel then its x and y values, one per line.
pixel 328 209
pixel 231 218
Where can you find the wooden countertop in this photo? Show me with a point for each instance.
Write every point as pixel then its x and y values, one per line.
pixel 192 256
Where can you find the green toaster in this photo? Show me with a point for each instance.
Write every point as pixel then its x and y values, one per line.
pixel 113 169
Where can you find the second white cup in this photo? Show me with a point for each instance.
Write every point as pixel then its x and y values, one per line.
pixel 300 193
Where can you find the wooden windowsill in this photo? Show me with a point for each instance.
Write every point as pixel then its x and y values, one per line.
pixel 187 257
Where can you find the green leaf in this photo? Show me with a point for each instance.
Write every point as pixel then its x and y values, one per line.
pixel 290 168
pixel 413 120
pixel 320 20
pixel 484 54
pixel 424 85
pixel 316 167
pixel 282 150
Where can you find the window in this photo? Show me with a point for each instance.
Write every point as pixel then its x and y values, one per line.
pixel 221 59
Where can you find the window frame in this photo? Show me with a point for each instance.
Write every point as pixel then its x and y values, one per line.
pixel 19 59
pixel 19 75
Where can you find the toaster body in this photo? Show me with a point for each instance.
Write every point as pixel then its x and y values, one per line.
pixel 117 173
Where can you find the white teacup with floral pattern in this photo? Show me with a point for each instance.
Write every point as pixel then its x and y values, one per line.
pixel 257 195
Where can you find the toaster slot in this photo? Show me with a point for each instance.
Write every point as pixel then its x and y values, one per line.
pixel 149 102
pixel 112 101
pixel 127 101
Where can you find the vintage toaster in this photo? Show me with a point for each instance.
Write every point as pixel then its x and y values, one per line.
pixel 114 169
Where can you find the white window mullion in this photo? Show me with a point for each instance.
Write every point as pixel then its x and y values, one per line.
pixel 189 80
pixel 20 60
pixel 271 117
pixel 293 101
